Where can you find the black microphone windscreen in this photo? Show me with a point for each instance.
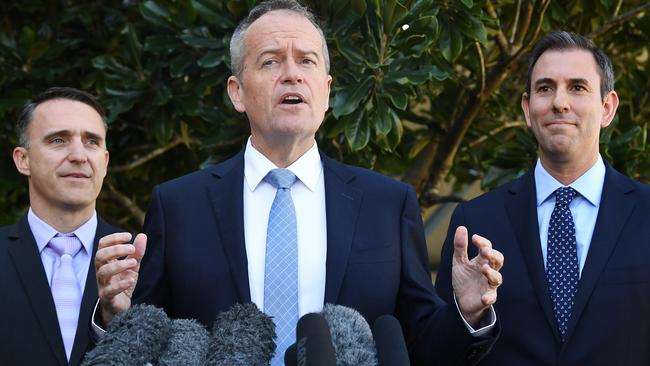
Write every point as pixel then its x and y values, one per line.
pixel 135 337
pixel 290 357
pixel 188 344
pixel 314 342
pixel 242 336
pixel 389 341
pixel 351 336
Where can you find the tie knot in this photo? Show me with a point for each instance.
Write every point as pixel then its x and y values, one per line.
pixel 564 195
pixel 65 245
pixel 280 178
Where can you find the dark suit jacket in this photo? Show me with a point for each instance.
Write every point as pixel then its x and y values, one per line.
pixel 195 265
pixel 610 319
pixel 29 334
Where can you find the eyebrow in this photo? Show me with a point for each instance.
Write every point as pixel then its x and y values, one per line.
pixel 68 133
pixel 276 50
pixel 571 81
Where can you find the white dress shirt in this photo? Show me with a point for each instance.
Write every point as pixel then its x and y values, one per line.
pixel 308 194
pixel 43 233
pixel 584 207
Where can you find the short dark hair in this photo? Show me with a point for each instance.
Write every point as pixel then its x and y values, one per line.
pixel 238 46
pixel 563 40
pixel 27 113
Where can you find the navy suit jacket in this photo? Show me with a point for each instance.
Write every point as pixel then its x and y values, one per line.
pixel 195 265
pixel 610 319
pixel 29 334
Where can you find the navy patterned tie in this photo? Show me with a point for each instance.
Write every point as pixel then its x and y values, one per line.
pixel 562 258
pixel 281 264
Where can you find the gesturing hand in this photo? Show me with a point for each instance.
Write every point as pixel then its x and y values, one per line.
pixel 475 281
pixel 117 263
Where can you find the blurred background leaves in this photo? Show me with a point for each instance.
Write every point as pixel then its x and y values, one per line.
pixel 426 91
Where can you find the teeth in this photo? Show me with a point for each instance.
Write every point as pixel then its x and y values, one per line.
pixel 292 98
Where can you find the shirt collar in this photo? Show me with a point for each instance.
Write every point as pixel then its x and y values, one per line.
pixel 589 185
pixel 307 168
pixel 43 232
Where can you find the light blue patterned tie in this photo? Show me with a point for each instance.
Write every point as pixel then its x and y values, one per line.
pixel 281 266
pixel 562 258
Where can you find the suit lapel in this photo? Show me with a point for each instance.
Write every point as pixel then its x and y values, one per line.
pixel 342 202
pixel 522 212
pixel 27 261
pixel 616 206
pixel 227 194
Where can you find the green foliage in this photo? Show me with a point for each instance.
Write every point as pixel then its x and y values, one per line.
pixel 408 75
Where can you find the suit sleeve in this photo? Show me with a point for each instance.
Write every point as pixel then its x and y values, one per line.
pixel 152 287
pixel 433 327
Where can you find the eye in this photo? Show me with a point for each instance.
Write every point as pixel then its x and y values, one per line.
pixel 544 89
pixel 579 88
pixel 57 140
pixel 269 62
pixel 308 61
pixel 92 142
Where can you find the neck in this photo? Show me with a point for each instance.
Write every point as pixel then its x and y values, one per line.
pixel 282 153
pixel 64 220
pixel 567 171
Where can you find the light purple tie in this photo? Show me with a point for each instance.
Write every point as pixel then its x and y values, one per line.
pixel 65 288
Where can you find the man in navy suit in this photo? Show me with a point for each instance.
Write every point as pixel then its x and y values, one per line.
pixel 360 240
pixel 47 296
pixel 583 299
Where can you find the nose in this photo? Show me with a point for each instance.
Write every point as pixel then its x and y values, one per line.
pixel 77 151
pixel 291 72
pixel 561 101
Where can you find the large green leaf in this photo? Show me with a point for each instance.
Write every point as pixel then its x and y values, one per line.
pixel 347 99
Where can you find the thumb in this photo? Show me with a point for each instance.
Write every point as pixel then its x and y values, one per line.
pixel 460 244
pixel 140 244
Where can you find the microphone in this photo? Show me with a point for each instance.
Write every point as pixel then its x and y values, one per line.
pixel 242 336
pixel 389 340
pixel 313 342
pixel 135 337
pixel 188 345
pixel 351 336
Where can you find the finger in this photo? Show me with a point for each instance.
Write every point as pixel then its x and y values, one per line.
pixel 481 242
pixel 113 239
pixel 460 244
pixel 489 298
pixel 494 278
pixel 111 253
pixel 109 292
pixel 494 257
pixel 107 272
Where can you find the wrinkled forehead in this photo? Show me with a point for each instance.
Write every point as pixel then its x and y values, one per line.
pixel 562 64
pixel 277 27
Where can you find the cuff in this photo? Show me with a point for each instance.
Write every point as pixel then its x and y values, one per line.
pixel 98 331
pixel 487 322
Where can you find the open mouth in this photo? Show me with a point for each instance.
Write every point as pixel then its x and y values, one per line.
pixel 292 99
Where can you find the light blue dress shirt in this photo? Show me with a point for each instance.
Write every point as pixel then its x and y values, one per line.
pixel 584 207
pixel 43 233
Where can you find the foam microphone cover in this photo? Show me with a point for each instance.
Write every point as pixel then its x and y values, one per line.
pixel 188 344
pixel 389 341
pixel 135 337
pixel 314 342
pixel 242 336
pixel 351 336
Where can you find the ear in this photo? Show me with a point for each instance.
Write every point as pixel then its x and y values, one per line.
pixel 524 105
pixel 21 159
pixel 236 94
pixel 610 105
pixel 329 89
pixel 106 156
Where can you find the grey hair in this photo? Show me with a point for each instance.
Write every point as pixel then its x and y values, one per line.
pixel 27 113
pixel 238 44
pixel 563 40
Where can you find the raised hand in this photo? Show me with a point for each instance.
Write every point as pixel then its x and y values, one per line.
pixel 475 281
pixel 117 264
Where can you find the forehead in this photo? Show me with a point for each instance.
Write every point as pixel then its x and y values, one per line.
pixel 65 114
pixel 566 64
pixel 275 28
